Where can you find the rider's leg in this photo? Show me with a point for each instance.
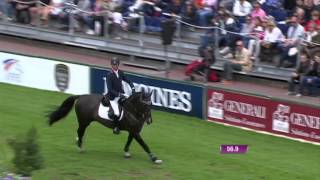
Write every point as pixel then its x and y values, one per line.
pixel 115 106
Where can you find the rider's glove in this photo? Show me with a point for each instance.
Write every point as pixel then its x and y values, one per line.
pixel 122 96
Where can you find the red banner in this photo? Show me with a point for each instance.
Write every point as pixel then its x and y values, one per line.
pixel 264 114
pixel 296 121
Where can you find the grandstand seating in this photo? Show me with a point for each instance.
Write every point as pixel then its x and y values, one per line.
pixel 147 45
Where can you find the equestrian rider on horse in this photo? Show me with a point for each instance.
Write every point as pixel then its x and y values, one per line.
pixel 115 90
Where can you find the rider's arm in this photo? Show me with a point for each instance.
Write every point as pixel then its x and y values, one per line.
pixel 127 80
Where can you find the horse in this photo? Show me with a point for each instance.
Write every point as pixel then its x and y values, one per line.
pixel 136 111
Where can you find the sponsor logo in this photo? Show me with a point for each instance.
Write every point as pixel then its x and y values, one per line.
pixel 13 70
pixel 280 118
pixel 169 98
pixel 215 105
pixel 61 74
pixel 305 120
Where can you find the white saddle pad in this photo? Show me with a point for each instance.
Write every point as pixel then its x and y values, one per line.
pixel 104 111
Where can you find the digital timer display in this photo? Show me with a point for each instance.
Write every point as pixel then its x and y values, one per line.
pixel 233 149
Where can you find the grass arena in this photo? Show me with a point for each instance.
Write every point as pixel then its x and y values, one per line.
pixel 189 147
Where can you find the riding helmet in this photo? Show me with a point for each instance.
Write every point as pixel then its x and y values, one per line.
pixel 115 61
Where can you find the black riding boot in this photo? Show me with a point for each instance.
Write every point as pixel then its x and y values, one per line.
pixel 116 129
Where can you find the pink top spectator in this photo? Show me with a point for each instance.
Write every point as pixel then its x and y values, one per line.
pixel 258 13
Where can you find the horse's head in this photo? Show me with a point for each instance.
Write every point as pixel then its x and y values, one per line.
pixel 141 101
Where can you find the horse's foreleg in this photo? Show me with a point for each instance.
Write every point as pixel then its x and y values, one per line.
pixel 126 148
pixel 139 139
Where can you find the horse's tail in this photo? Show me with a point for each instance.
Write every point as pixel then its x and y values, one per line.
pixel 62 111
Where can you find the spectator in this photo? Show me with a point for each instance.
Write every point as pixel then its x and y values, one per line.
pixel 246 30
pixel 241 62
pixel 22 9
pixel 205 11
pixel 289 5
pixel 274 3
pixel 6 9
pixel 151 15
pixel 255 38
pixel 201 67
pixel 288 47
pixel 174 7
pixel 315 20
pixel 312 78
pixel 136 6
pixel 298 75
pixel 227 40
pixel 227 4
pixel 188 12
pixel 56 7
pixel 308 8
pixel 257 12
pixel 272 36
pixel 316 4
pixel 118 23
pixel 96 20
pixel 63 14
pixel 241 9
pixel 42 11
pixel 312 40
pixel 300 13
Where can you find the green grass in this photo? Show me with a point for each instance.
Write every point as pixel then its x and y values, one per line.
pixel 189 147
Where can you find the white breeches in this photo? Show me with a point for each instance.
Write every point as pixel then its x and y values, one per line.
pixel 115 106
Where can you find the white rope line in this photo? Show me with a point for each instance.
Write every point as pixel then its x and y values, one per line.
pixel 67 4
pixel 204 27
pixel 22 2
pixel 309 42
pixel 215 27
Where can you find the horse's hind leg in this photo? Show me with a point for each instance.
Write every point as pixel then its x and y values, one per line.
pixel 126 148
pixel 81 130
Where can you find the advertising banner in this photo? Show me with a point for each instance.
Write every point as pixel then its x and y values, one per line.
pixel 167 95
pixel 44 74
pixel 238 109
pixel 296 121
pixel 292 120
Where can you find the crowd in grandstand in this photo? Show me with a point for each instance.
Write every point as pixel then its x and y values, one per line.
pixel 273 30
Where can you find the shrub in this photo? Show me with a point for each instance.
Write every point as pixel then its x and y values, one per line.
pixel 27 157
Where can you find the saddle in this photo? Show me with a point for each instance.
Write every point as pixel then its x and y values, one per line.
pixel 106 103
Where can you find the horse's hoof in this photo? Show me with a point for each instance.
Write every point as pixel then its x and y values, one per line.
pixel 81 150
pixel 127 155
pixel 158 161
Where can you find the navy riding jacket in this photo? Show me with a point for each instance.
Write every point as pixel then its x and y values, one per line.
pixel 114 84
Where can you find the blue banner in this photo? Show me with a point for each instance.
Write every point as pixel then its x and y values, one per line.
pixel 172 96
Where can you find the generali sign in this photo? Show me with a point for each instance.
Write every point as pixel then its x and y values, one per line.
pixel 264 114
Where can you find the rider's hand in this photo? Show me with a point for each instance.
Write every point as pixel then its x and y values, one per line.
pixel 122 96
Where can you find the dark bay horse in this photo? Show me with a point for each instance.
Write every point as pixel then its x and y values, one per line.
pixel 137 111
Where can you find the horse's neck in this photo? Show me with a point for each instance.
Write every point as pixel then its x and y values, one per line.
pixel 132 106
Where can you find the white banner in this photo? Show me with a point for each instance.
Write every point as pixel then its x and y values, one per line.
pixel 44 74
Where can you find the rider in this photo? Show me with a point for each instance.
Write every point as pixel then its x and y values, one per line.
pixel 115 90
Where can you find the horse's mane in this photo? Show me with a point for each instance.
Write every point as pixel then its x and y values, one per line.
pixel 133 99
pixel 134 96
